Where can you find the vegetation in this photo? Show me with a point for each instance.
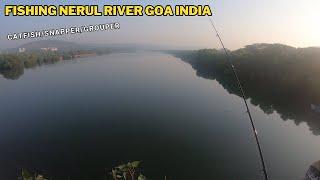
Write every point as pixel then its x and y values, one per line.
pixel 12 64
pixel 26 175
pixel 128 171
pixel 275 77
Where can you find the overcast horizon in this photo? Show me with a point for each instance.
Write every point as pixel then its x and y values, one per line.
pixel 240 22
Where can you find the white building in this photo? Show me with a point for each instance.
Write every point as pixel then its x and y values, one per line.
pixel 21 50
pixel 49 49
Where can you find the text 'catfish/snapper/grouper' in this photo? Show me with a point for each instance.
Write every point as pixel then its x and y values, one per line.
pixel 64 31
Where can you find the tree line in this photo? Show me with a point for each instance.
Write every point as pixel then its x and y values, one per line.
pixel 12 65
pixel 275 77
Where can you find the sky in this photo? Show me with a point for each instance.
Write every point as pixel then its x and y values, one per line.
pixel 240 22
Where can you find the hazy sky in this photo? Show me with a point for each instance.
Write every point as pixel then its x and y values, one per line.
pixel 241 22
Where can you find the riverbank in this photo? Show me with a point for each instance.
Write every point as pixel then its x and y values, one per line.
pixel 12 65
pixel 275 77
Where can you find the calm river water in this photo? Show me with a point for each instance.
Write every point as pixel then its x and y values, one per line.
pixel 79 118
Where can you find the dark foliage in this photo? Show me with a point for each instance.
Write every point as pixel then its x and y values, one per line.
pixel 275 77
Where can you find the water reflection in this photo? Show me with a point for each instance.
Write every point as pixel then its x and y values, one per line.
pixel 12 73
pixel 292 103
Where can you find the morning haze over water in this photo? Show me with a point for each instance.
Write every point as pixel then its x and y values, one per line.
pixel 157 97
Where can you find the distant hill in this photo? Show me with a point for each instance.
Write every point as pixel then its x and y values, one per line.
pixel 68 46
pixel 61 45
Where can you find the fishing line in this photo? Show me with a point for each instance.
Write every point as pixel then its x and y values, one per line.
pixel 264 169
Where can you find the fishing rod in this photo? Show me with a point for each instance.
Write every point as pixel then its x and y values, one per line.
pixel 255 132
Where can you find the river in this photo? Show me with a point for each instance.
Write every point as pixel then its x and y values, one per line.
pixel 79 118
